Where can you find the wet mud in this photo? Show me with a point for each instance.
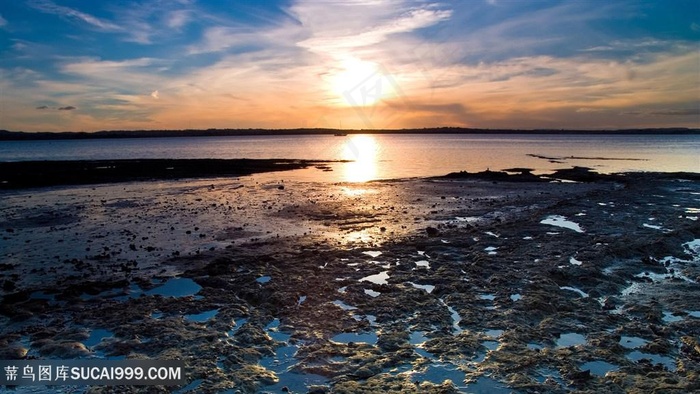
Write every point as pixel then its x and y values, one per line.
pixel 494 283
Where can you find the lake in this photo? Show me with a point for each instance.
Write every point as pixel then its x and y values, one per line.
pixel 392 156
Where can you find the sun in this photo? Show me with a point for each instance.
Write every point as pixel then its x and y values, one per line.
pixel 357 83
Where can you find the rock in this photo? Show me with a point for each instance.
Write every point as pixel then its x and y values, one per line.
pixel 580 377
pixel 63 350
pixel 13 353
pixel 364 372
pixel 280 187
pixel 432 231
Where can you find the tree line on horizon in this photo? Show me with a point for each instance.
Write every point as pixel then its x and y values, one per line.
pixel 6 135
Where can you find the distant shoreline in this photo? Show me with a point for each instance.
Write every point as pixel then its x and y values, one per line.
pixel 6 135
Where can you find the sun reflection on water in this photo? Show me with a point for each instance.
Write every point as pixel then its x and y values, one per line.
pixel 363 151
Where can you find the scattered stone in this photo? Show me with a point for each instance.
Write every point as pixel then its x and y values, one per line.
pixel 432 231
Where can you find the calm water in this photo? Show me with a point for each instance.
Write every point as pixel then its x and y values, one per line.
pixel 392 156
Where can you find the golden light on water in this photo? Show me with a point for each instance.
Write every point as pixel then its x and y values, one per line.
pixel 363 151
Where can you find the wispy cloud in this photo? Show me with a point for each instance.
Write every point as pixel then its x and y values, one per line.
pixel 336 29
pixel 177 19
pixel 3 21
pixel 49 7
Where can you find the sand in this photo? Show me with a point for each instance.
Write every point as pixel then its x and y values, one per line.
pixel 461 283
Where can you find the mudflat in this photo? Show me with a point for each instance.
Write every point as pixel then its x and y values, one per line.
pixel 576 282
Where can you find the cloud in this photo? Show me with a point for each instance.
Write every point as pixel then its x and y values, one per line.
pixel 220 38
pixel 3 21
pixel 46 107
pixel 130 72
pixel 49 7
pixel 677 112
pixel 155 94
pixel 336 29
pixel 177 19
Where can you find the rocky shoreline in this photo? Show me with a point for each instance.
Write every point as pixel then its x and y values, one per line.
pixel 25 174
pixel 495 282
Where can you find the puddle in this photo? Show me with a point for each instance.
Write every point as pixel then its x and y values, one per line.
pixel 491 250
pixel 379 279
pixel 492 234
pixel 693 247
pixel 534 346
pixel 176 287
pixel 347 337
pixel 202 317
pixel 263 279
pixel 301 300
pixel 372 320
pixel 274 332
pixel 694 314
pixel 96 336
pixel 342 290
pixel 573 261
pixel 516 297
pixel 656 278
pixel 282 360
pixel 428 288
pixel 570 339
pixel 655 227
pixel 296 383
pixel 671 318
pixel 372 293
pixel 599 368
pixel 424 353
pixel 437 373
pixel 549 373
pixel 417 338
pixel 632 342
pixel 489 297
pixel 654 358
pixel 423 263
pixel 561 221
pixel 486 385
pixel 493 333
pixel 456 318
pixel 282 363
pixel 344 306
pixel 373 253
pixel 237 326
pixel 575 290
pixel 490 345
pixel 191 387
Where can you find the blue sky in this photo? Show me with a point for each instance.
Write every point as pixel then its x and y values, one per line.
pixel 94 65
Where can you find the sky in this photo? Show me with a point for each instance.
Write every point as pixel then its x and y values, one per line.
pixel 79 65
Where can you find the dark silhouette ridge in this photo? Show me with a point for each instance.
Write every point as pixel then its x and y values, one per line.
pixel 6 135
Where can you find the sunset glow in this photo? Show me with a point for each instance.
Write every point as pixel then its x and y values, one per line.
pixel 362 150
pixel 77 65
